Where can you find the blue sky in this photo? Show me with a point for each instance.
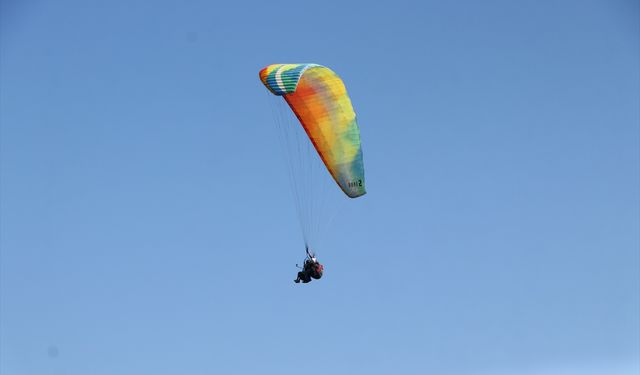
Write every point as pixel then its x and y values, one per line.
pixel 146 224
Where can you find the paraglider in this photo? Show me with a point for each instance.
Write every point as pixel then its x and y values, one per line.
pixel 318 126
pixel 311 269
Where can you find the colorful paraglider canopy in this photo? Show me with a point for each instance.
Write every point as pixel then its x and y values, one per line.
pixel 319 100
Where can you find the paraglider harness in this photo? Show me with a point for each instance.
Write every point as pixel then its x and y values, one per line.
pixel 311 269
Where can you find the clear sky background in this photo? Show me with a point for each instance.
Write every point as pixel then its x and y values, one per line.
pixel 147 226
